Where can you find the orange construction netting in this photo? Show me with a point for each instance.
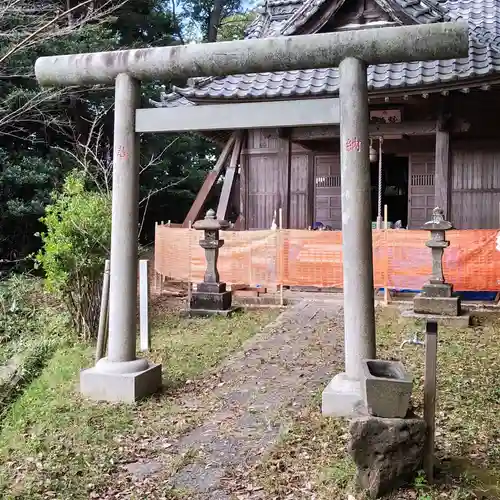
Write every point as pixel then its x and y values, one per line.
pixel 314 258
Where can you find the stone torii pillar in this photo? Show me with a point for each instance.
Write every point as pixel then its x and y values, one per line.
pixel 352 50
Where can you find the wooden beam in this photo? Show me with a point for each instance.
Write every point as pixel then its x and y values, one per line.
pixel 208 184
pixel 229 178
pixel 244 115
pixel 442 172
pixel 243 184
pixel 383 129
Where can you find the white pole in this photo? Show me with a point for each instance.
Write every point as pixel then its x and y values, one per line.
pixel 387 295
pixel 155 284
pixel 280 256
pixel 144 305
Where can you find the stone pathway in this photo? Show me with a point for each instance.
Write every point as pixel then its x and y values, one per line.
pixel 279 369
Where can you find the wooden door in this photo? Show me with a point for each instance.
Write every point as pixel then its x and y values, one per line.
pixel 263 175
pixel 299 172
pixel 421 189
pixel 327 190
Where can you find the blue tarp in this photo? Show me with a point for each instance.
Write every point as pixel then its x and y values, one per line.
pixel 463 295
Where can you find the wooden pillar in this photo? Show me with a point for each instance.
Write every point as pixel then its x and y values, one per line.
pixel 285 159
pixel 442 177
pixel 311 191
pixel 288 161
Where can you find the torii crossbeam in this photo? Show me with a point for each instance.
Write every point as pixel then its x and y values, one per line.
pixel 121 376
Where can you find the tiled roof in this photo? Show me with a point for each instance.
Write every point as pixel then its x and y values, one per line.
pixel 284 17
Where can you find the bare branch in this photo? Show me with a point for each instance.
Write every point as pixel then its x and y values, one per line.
pixel 44 27
pixel 154 192
pixel 13 261
pixel 37 28
pixel 94 157
pixel 156 159
pixel 20 114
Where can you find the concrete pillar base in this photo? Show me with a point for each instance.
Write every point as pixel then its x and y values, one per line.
pixel 118 384
pixel 343 397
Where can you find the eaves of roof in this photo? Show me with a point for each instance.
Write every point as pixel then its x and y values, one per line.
pixel 483 62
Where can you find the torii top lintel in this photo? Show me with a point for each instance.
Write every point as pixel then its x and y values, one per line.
pixel 374 46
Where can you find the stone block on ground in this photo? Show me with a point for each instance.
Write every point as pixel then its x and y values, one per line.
pixel 343 397
pixel 211 301
pixel 462 321
pixel 387 452
pixel 99 385
pixel 10 373
pixel 447 306
pixel 437 290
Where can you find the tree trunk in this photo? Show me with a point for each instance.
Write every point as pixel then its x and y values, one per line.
pixel 213 24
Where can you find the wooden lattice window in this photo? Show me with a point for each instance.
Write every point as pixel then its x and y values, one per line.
pixel 422 180
pixel 328 181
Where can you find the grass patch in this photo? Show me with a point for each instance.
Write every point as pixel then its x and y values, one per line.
pixel 188 347
pixel 32 328
pixel 51 440
pixel 54 444
pixel 311 460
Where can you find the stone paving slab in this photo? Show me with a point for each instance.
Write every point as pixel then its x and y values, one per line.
pixel 280 368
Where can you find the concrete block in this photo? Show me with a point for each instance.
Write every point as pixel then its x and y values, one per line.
pixel 387 388
pixel 343 397
pixel 447 306
pixel 120 387
pixel 211 287
pixel 437 290
pixel 462 321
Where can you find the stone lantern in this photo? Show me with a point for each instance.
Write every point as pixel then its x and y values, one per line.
pixel 211 296
pixel 437 295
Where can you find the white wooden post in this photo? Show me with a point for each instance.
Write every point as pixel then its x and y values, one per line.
pixel 144 305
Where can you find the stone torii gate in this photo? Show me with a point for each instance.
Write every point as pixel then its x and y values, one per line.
pixel 123 377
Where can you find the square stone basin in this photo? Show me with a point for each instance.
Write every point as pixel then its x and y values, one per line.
pixel 387 388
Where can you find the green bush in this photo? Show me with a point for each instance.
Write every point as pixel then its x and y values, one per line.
pixel 75 246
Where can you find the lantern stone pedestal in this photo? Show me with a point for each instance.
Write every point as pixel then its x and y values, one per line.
pixel 437 296
pixel 211 297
